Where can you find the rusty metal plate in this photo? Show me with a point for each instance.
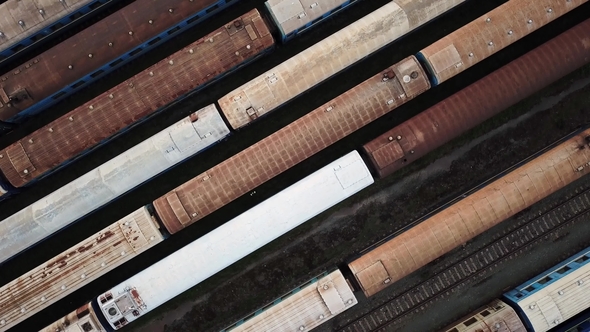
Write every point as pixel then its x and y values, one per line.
pixel 133 234
pixel 19 160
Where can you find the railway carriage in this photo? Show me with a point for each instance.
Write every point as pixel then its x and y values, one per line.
pixel 480 101
pixel 555 295
pixel 294 17
pixel 395 258
pixel 93 123
pixel 302 309
pixel 95 51
pixel 77 266
pixel 496 316
pixel 307 69
pixel 229 243
pixel 112 179
pixel 24 23
pixel 499 28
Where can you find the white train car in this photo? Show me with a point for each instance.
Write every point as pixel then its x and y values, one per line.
pixel 105 183
pixel 230 242
pixel 555 295
pixel 293 17
pixel 302 309
pixel 234 240
pixel 303 71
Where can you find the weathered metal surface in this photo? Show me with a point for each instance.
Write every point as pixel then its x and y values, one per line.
pixel 33 15
pixel 292 144
pixel 309 306
pixel 491 33
pixel 110 180
pixel 91 48
pixel 474 214
pixel 84 319
pixel 495 317
pixel 556 295
pixel 291 15
pixel 480 101
pixel 275 87
pixel 77 266
pixel 235 239
pixel 143 94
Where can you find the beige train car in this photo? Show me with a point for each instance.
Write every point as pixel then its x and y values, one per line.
pixel 489 34
pixel 77 266
pixel 303 309
pixel 480 211
pixel 84 319
pixel 305 70
pixel 494 317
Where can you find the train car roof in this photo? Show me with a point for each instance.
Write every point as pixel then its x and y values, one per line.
pixel 237 238
pixel 511 192
pixel 108 114
pixel 557 294
pixel 496 316
pixel 292 15
pixel 76 267
pixel 273 88
pixel 489 34
pixel 302 309
pixel 110 180
pixel 292 144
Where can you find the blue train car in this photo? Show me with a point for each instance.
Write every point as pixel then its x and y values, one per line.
pixel 554 296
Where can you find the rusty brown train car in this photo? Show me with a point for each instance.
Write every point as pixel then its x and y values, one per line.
pixel 292 144
pixel 497 201
pixel 95 51
pixel 320 128
pixel 481 100
pixel 219 52
pixel 489 34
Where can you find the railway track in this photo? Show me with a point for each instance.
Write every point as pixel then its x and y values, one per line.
pixel 510 245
